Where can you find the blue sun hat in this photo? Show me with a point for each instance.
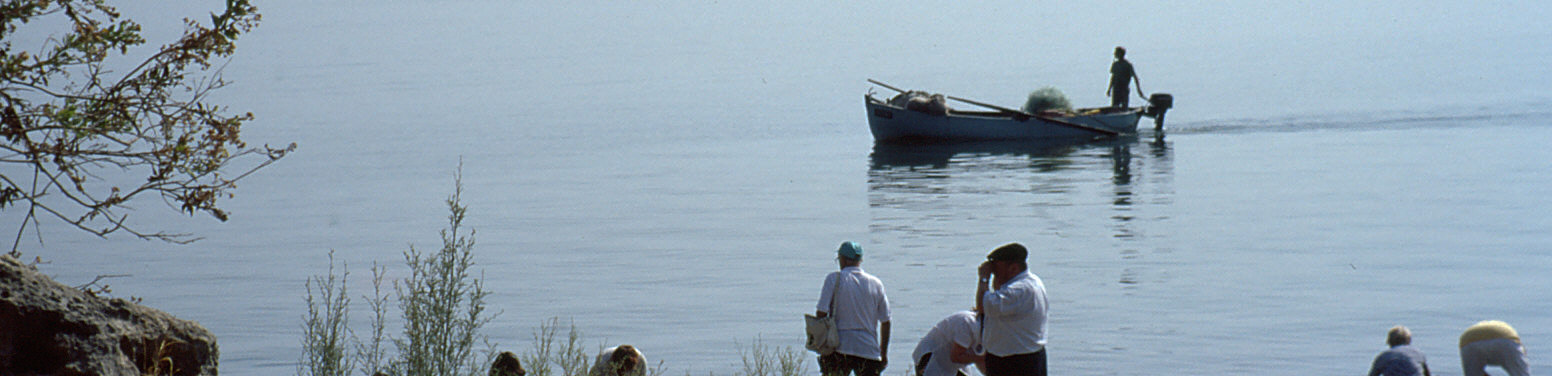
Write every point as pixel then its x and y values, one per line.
pixel 850 250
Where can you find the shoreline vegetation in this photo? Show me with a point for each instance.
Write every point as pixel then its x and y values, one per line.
pixel 442 304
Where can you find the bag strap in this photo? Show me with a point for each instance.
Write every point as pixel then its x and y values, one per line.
pixel 835 290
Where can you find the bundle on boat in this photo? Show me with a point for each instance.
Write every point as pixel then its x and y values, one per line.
pixel 1048 101
pixel 921 101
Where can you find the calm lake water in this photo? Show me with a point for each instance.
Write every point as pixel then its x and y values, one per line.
pixel 676 176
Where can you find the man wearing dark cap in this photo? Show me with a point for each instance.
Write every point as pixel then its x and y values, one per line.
pixel 861 316
pixel 1013 330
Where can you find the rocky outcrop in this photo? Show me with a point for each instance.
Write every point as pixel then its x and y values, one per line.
pixel 47 328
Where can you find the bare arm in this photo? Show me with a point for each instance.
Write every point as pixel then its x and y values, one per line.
pixel 883 342
pixel 1138 80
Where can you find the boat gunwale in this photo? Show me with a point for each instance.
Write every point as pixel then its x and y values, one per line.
pixel 1011 115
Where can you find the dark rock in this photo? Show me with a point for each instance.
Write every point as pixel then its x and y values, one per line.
pixel 47 328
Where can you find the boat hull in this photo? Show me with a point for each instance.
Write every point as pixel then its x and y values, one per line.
pixel 895 124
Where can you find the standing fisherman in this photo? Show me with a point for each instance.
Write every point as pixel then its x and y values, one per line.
pixel 1121 77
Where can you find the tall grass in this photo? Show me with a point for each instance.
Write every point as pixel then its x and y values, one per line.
pixel 371 353
pixel 551 357
pixel 760 359
pixel 443 304
pixel 325 330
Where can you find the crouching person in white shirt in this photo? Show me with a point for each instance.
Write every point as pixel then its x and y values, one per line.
pixel 947 349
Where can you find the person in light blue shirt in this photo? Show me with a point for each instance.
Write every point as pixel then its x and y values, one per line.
pixel 1401 359
pixel 1013 331
pixel 861 317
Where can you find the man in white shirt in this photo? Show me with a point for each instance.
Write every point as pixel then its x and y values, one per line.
pixel 861 317
pixel 1013 331
pixel 946 350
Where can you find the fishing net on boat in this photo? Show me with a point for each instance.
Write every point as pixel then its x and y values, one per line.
pixel 1047 99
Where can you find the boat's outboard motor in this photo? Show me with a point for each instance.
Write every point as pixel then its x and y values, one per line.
pixel 1158 104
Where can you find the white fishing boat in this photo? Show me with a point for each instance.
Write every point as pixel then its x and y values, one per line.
pixel 898 120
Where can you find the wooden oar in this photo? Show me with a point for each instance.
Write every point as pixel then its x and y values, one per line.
pixel 1046 118
pixel 886 86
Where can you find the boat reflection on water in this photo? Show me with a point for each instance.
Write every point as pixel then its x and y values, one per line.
pixel 1098 194
pixel 910 160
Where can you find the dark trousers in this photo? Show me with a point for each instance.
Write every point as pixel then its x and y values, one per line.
pixel 1031 364
pixel 921 366
pixel 838 364
pixel 1121 96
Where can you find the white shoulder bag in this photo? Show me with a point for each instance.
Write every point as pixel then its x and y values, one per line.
pixel 823 336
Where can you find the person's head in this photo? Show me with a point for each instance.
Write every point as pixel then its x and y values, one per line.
pixel 507 364
pixel 850 253
pixel 1120 52
pixel 1008 259
pixel 1399 335
pixel 626 360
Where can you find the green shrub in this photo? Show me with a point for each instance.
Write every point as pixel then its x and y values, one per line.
pixel 443 304
pixel 443 307
pixel 325 331
pixel 761 359
pixel 371 356
pixel 551 358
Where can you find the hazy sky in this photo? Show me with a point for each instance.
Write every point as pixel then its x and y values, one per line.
pixel 1227 56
